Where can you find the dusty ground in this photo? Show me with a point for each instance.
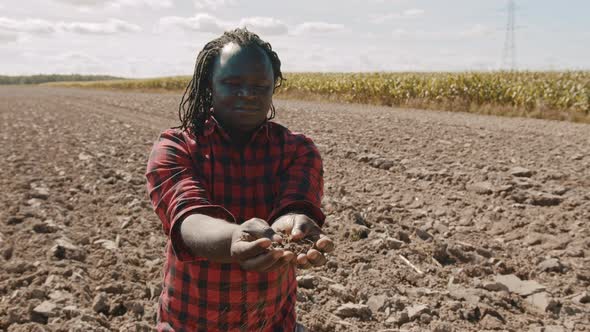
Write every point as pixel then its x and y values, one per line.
pixel 493 214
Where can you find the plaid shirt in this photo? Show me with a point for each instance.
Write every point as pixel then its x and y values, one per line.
pixel 276 172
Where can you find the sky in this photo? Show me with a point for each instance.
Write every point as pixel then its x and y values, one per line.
pixel 152 38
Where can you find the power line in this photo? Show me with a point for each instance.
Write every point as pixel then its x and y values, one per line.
pixel 509 54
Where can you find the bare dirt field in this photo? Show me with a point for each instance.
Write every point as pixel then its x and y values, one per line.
pixel 442 221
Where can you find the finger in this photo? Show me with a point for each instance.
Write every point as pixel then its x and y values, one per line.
pixel 288 255
pixel 303 227
pixel 244 249
pixel 262 262
pixel 300 227
pixel 315 258
pixel 259 228
pixel 277 238
pixel 283 224
pixel 302 261
pixel 325 244
pixel 282 262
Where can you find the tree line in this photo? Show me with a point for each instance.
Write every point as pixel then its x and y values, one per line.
pixel 38 79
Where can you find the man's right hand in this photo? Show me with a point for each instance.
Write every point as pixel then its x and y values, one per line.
pixel 250 247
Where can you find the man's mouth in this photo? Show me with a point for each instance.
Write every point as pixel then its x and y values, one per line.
pixel 246 109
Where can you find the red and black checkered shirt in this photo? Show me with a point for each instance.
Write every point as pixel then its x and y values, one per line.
pixel 276 172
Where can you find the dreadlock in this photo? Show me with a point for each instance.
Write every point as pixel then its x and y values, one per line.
pixel 196 101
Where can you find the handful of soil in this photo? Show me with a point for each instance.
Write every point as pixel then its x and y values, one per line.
pixel 297 247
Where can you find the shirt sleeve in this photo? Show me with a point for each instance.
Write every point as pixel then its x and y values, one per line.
pixel 301 182
pixel 176 189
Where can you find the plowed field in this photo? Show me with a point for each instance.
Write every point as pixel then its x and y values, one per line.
pixel 442 221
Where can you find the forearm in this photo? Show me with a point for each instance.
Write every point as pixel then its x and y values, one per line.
pixel 208 237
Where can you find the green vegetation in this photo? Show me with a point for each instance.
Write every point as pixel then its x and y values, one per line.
pixel 555 95
pixel 548 95
pixel 38 79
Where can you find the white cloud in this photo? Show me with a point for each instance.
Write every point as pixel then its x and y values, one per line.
pixel 400 33
pixel 155 4
pixel 414 12
pixel 64 63
pixel 8 37
pixel 199 22
pixel 389 2
pixel 478 30
pixel 317 28
pixel 37 26
pixel 422 35
pixel 204 22
pixel 264 25
pixel 28 25
pixel 382 18
pixel 212 4
pixel 83 2
pixel 208 23
pixel 77 57
pixel 406 14
pixel 112 26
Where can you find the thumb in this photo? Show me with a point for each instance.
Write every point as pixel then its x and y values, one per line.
pixel 299 229
pixel 260 229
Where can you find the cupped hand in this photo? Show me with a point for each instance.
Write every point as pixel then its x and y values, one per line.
pixel 250 247
pixel 300 226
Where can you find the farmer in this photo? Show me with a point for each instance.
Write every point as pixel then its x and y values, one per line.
pixel 226 184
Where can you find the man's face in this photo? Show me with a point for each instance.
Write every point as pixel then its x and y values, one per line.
pixel 242 88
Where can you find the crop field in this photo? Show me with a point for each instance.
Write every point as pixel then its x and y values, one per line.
pixel 545 95
pixel 442 221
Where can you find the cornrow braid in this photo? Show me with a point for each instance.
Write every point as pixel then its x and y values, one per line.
pixel 195 106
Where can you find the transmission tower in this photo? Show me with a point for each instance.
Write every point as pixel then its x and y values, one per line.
pixel 509 54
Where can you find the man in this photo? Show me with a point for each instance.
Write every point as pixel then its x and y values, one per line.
pixel 226 184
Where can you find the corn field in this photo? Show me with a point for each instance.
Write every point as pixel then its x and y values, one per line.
pixel 552 95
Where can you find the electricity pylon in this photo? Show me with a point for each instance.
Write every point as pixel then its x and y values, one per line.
pixel 509 54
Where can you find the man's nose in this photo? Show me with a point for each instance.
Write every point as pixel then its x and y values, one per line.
pixel 245 91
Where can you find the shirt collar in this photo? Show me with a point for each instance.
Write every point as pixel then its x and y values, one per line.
pixel 211 124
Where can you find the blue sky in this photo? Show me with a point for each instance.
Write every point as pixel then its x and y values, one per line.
pixel 145 38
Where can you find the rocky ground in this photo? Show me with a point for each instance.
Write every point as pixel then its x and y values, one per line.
pixel 443 221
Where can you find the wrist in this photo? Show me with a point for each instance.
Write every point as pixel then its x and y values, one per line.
pixel 294 212
pixel 208 237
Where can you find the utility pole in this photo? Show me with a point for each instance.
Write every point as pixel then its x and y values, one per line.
pixel 509 54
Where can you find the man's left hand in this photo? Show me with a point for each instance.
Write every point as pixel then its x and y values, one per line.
pixel 300 226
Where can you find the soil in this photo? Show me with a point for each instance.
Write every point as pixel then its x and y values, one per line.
pixel 297 247
pixel 442 221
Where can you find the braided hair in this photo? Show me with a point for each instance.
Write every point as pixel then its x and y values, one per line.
pixel 196 103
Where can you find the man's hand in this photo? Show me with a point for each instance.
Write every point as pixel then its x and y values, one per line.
pixel 250 247
pixel 300 226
